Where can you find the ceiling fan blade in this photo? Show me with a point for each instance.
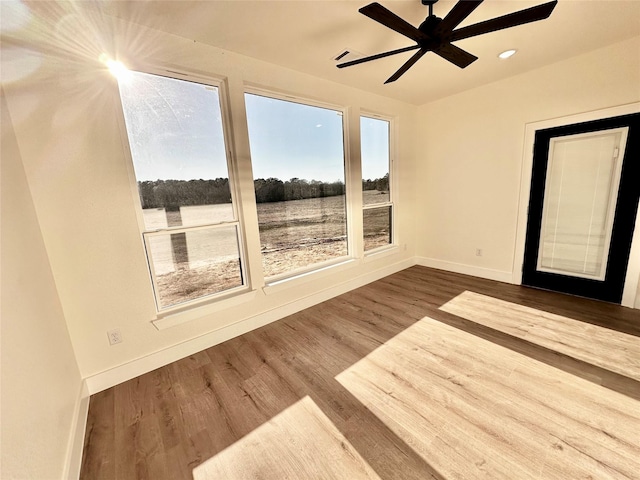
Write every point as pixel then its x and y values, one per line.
pixel 376 56
pixel 457 14
pixel 455 55
pixel 408 64
pixel 527 15
pixel 380 14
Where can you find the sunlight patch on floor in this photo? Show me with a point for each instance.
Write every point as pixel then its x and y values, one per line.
pixel 473 409
pixel 300 442
pixel 615 351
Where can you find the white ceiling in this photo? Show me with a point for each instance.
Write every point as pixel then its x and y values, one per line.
pixel 307 35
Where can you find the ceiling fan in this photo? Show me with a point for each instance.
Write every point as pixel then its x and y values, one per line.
pixel 436 34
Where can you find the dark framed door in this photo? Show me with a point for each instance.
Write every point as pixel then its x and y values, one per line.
pixel 585 188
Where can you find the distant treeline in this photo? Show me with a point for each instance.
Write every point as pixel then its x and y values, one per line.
pixel 172 194
pixel 380 184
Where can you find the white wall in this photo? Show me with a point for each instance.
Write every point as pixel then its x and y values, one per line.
pixel 40 378
pixel 473 152
pixel 66 117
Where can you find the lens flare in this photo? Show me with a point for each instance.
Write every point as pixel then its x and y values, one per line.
pixel 117 69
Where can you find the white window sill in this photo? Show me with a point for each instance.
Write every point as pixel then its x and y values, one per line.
pixel 381 252
pixel 165 320
pixel 302 278
pixel 170 319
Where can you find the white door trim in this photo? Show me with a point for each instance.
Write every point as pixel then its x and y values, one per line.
pixel 633 271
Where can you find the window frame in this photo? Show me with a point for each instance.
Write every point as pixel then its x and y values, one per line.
pixel 320 267
pixel 236 207
pixel 392 202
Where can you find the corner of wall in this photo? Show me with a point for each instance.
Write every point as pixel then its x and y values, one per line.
pixel 472 270
pixel 76 441
pixel 35 341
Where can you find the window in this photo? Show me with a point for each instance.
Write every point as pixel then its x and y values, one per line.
pixel 191 230
pixel 297 154
pixel 377 214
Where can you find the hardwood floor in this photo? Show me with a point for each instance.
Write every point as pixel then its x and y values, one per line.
pixel 615 351
pixel 399 379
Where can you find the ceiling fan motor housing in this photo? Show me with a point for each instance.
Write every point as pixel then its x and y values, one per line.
pixel 429 25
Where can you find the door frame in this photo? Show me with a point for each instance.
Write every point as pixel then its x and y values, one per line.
pixel 632 278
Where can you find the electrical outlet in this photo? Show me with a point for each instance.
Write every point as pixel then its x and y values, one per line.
pixel 115 336
pixel 478 252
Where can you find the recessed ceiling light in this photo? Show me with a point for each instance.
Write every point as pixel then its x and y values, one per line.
pixel 507 53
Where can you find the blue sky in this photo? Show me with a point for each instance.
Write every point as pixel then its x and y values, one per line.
pixel 293 140
pixel 374 147
pixel 175 132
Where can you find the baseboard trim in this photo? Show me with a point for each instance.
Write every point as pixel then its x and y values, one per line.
pixel 481 272
pixel 109 378
pixel 76 441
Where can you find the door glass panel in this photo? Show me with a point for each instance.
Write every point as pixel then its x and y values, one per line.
pixel 581 190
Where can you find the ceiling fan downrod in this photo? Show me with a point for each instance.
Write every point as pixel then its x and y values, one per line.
pixel 430 3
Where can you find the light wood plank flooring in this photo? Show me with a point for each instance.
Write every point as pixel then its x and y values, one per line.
pixel 382 382
pixel 615 351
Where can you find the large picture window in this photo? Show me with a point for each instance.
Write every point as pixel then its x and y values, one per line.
pixel 377 214
pixel 191 230
pixel 297 154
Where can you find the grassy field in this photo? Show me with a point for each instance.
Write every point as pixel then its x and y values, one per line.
pixel 299 233
pixel 293 236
